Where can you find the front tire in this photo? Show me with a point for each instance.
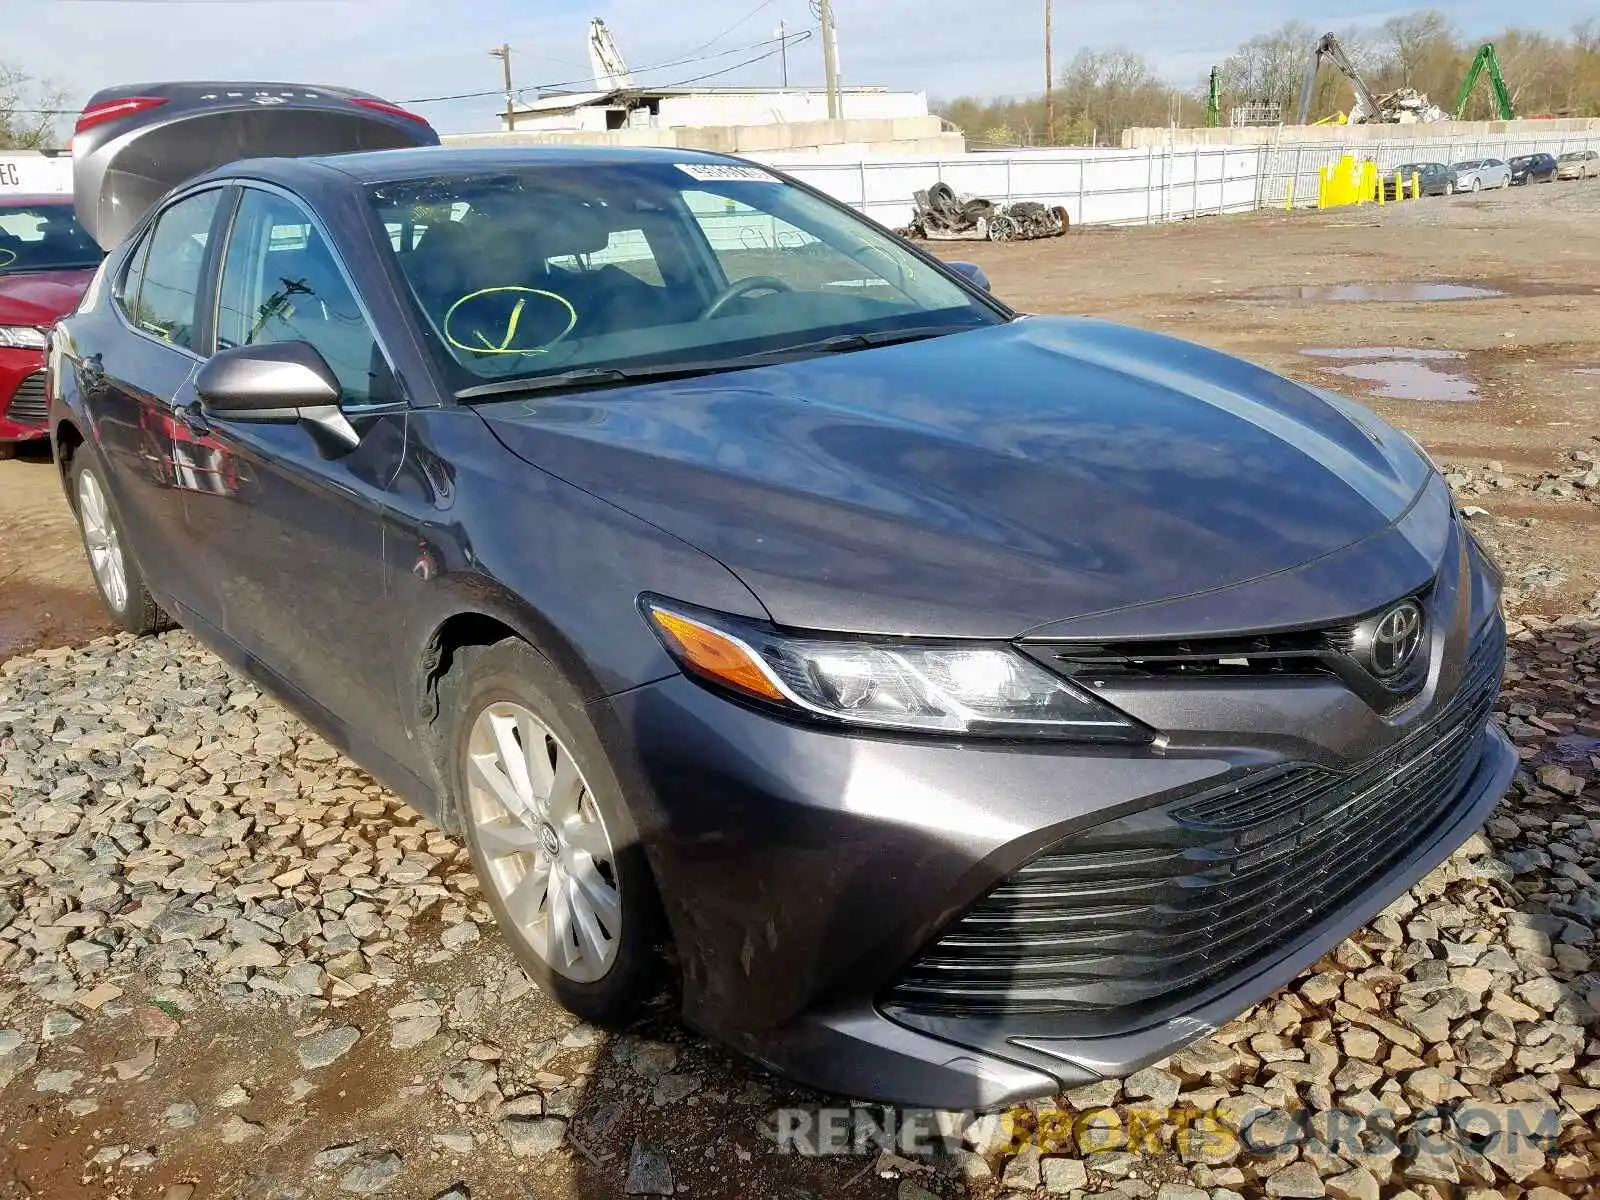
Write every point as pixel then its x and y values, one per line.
pixel 116 576
pixel 551 837
pixel 1477 185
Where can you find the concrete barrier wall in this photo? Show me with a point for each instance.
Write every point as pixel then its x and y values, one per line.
pixel 1158 183
pixel 1270 135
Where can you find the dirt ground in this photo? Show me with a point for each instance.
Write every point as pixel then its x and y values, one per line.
pixel 1529 352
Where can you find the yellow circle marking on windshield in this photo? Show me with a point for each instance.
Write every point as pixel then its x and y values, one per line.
pixel 506 343
pixel 7 257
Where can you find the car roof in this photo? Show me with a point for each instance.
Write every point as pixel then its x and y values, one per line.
pixel 383 166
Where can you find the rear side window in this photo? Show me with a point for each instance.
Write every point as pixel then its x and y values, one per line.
pixel 281 283
pixel 161 290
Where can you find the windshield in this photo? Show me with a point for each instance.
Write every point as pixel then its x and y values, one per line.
pixel 542 271
pixel 44 236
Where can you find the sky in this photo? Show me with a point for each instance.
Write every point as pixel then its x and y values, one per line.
pixel 408 50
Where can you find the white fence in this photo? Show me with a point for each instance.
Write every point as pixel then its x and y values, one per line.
pixel 1141 186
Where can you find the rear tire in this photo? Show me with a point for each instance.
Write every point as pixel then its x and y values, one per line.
pixel 116 576
pixel 563 871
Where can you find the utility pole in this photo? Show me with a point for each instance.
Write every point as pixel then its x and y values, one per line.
pixel 783 47
pixel 503 53
pixel 830 58
pixel 1049 74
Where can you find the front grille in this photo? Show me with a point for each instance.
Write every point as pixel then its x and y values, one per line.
pixel 1139 911
pixel 1299 653
pixel 28 406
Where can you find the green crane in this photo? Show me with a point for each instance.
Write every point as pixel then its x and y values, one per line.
pixel 1214 100
pixel 1502 98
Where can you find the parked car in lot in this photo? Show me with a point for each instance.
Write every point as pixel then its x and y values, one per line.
pixel 1533 168
pixel 1476 174
pixel 46 260
pixel 1431 178
pixel 1578 164
pixel 977 703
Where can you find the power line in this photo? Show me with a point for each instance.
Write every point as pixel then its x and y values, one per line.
pixel 677 62
pixel 764 4
pixel 799 37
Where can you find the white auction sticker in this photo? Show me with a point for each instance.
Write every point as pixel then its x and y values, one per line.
pixel 726 173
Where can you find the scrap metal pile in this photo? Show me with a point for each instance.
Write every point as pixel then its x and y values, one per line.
pixel 943 216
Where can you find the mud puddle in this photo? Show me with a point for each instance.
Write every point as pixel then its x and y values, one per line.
pixel 1379 293
pixel 1575 748
pixel 1414 291
pixel 1402 372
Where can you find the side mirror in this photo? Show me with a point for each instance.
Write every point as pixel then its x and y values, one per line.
pixel 278 381
pixel 972 272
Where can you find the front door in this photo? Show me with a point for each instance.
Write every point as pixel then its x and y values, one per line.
pixel 295 539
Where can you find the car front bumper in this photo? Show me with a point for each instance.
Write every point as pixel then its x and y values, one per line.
pixel 22 398
pixel 807 872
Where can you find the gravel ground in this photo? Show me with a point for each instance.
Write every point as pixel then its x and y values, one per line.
pixel 228 959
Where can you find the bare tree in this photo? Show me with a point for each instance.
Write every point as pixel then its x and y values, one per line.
pixel 1413 39
pixel 27 110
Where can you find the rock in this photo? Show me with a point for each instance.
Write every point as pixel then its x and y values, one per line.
pixel 371 1174
pixel 58 1025
pixel 16 1055
pixel 459 935
pixel 83 1106
pixel 132 1068
pixel 648 1173
pixel 233 1097
pixel 325 1048
pixel 468 1082
pixel 529 1137
pixel 413 1032
pixel 1022 1170
pixel 1063 1176
pixel 156 1022
pixel 1159 1087
pixel 672 1088
pixel 253 955
pixel 181 1115
pixel 139 1160
pixel 336 1156
pixel 1179 1191
pixel 1298 1180
pixel 911 1190
pixel 456 1140
pixel 236 1130
pixel 56 1083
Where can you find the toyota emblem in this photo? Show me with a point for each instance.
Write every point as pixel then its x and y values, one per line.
pixel 1396 637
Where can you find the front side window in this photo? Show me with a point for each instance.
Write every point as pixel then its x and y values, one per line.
pixel 550 269
pixel 161 293
pixel 44 237
pixel 281 283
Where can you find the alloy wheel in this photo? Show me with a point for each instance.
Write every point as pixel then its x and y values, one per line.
pixel 546 850
pixel 100 537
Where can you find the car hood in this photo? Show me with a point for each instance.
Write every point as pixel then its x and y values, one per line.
pixel 986 483
pixel 40 297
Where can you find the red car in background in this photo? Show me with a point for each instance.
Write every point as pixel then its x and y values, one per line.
pixel 46 262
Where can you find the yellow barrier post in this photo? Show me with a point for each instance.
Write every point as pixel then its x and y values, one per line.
pixel 1416 185
pixel 1288 204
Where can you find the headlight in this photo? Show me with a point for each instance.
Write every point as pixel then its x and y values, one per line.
pixel 21 337
pixel 972 689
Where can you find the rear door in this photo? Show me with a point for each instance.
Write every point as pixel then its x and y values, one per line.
pixel 143 372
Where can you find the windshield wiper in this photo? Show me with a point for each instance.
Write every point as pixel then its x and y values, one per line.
pixel 580 378
pixel 583 378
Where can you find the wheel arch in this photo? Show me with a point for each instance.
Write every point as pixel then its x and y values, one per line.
pixel 66 440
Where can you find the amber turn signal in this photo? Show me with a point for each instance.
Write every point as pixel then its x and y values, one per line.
pixel 715 655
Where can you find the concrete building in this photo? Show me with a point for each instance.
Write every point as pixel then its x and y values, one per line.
pixel 678 108
pixel 876 122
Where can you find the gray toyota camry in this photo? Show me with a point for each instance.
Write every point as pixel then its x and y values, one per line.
pixel 964 704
